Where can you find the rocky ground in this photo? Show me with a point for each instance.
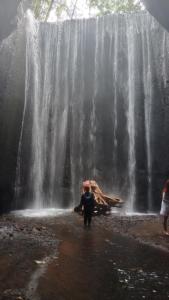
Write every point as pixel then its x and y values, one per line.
pixel 146 229
pixel 56 258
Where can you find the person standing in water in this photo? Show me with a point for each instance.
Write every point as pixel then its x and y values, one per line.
pixel 165 206
pixel 87 204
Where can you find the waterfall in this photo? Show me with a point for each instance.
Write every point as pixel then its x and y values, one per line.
pixel 147 79
pixel 38 127
pixel 115 70
pixel 89 89
pixel 131 110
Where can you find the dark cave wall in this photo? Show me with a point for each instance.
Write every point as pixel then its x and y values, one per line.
pixel 12 95
pixel 160 10
pixel 12 90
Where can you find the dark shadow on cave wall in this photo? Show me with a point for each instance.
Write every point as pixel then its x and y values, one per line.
pixel 12 74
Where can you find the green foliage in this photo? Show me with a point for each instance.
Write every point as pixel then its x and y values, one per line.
pixel 37 7
pixel 61 8
pixel 109 6
pixel 42 8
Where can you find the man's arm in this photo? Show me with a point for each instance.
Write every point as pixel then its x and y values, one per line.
pixel 81 201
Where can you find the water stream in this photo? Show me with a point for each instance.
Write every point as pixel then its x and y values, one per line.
pixel 90 86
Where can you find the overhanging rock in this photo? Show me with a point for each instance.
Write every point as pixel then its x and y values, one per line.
pixel 159 10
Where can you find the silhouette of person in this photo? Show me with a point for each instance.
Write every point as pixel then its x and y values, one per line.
pixel 87 204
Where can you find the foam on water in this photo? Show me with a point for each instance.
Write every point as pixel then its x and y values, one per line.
pixel 41 213
pixel 132 214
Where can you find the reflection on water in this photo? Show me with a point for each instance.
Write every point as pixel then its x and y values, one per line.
pixel 143 282
pixel 138 273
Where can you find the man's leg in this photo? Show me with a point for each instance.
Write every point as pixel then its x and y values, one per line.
pixel 89 219
pixel 85 219
pixel 165 223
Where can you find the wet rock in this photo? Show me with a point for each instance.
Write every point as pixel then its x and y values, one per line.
pixel 35 230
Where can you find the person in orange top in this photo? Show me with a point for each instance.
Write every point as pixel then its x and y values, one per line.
pixel 165 206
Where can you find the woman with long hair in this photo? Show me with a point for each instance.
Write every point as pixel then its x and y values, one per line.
pixel 165 206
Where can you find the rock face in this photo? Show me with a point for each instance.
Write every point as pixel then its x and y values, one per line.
pixel 12 90
pixel 160 10
pixel 8 17
pixel 91 103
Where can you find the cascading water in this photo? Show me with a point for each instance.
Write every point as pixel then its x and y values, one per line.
pixel 114 43
pixel 33 79
pixel 147 72
pixel 131 110
pixel 89 96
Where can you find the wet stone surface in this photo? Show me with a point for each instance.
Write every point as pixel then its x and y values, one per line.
pixel 119 257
